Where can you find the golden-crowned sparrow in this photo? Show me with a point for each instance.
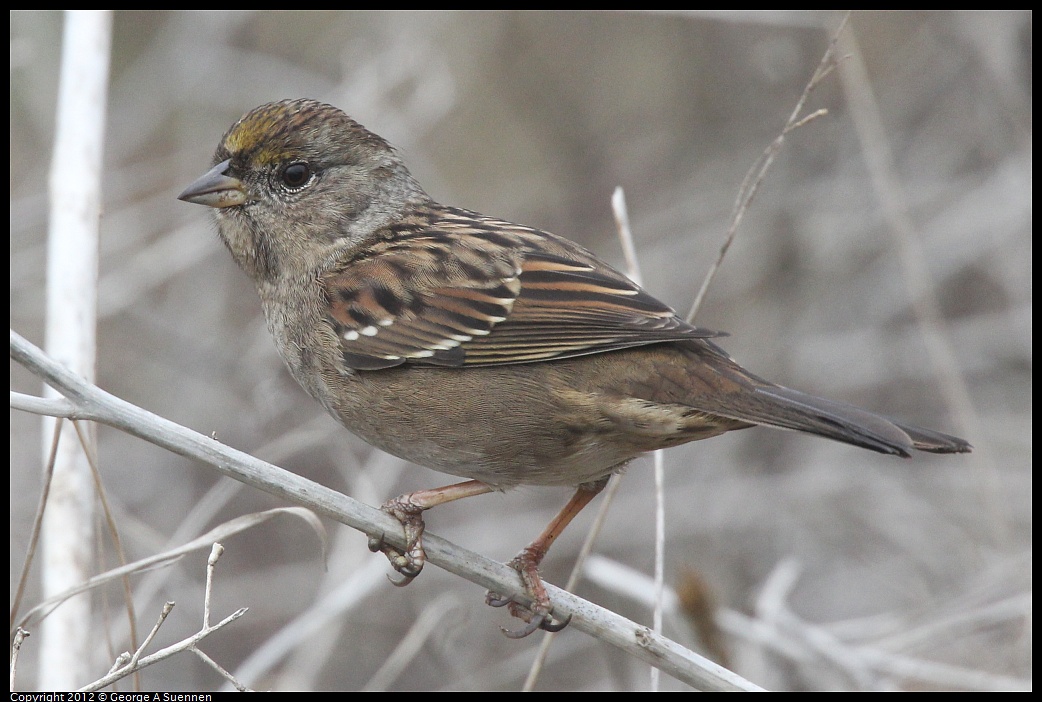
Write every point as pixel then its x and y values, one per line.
pixel 472 345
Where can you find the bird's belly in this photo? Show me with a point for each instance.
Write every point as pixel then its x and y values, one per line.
pixel 490 424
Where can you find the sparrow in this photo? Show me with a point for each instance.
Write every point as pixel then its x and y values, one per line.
pixel 481 348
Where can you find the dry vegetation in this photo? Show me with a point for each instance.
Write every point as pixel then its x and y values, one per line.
pixel 910 574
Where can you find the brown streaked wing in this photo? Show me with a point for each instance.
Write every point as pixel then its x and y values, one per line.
pixel 418 302
pixel 470 290
pixel 573 308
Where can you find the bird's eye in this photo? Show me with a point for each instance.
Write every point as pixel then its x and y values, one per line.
pixel 296 175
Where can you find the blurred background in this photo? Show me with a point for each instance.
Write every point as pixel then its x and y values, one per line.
pixel 536 117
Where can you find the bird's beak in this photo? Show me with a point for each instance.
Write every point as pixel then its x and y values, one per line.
pixel 216 189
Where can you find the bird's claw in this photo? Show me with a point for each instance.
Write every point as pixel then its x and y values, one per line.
pixel 536 617
pixel 407 563
pixel 540 621
pixel 493 599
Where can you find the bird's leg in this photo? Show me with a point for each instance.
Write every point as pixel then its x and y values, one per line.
pixel 408 509
pixel 538 615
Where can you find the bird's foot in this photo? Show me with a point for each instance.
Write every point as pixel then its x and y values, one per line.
pixel 538 614
pixel 408 562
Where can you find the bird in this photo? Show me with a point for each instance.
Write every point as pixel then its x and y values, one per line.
pixel 488 350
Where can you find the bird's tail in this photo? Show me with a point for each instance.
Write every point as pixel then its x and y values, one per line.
pixel 782 407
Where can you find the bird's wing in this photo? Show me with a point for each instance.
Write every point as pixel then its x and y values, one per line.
pixel 454 288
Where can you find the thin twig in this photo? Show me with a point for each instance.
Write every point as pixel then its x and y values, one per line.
pixel 168 607
pixel 121 660
pixel 622 227
pixel 211 566
pixel 34 534
pixel 184 645
pixel 20 635
pixel 220 670
pixel 126 664
pixel 110 520
pixel 756 173
pixel 49 406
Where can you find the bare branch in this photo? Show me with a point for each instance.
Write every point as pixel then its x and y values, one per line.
pixel 185 645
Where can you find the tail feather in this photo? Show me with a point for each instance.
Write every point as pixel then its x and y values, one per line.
pixel 791 409
pixel 934 441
